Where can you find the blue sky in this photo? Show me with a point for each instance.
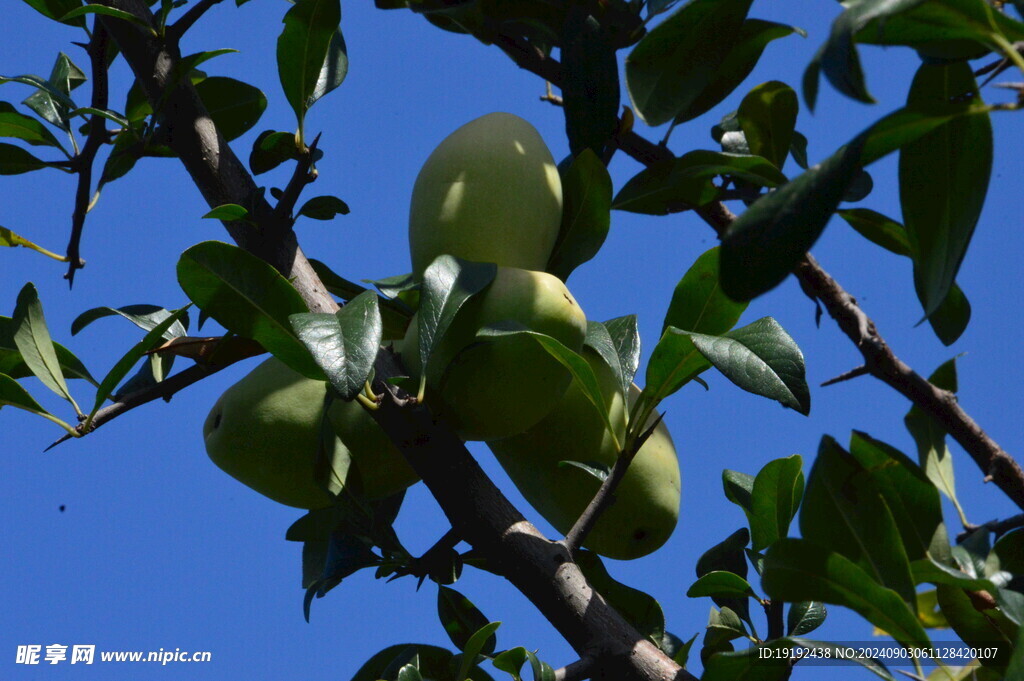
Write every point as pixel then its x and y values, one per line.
pixel 157 548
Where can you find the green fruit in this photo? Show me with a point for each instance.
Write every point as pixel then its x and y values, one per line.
pixel 497 388
pixel 490 192
pixel 646 505
pixel 265 431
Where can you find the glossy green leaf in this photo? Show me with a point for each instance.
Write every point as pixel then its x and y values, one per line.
pixel 12 363
pixel 324 208
pixel 721 584
pixel 234 106
pixel 590 82
pixel 775 497
pixel 754 36
pixel 799 570
pixel 106 11
pixel 638 608
pixel 512 661
pixel 146 317
pixel 302 50
pixel 988 629
pixel 344 344
pixel 678 59
pixel 32 339
pixel 738 488
pixel 931 571
pixel 227 212
pixel 395 314
pixel 728 556
pixel 460 618
pixel 51 100
pixel 334 68
pixel 14 160
pixel 55 9
pixel 932 453
pixel 600 341
pixel 804 617
pixel 768 118
pixel 625 335
pixel 271 149
pixel 911 497
pixel 686 182
pixel 763 245
pixel 247 297
pixel 674 362
pixel 943 180
pixel 13 394
pixel 698 303
pixel 586 214
pixel 19 126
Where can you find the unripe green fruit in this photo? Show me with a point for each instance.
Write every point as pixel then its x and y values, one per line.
pixel 490 192
pixel 646 506
pixel 502 386
pixel 265 431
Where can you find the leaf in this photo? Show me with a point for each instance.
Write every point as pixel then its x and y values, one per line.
pixel 324 208
pixel 302 50
pixel 482 642
pixel 146 317
pixel 768 118
pixel 106 11
pixel 32 339
pixel 460 618
pixel 739 488
pixel 753 37
pixel 19 126
pixel 804 617
pixel 878 229
pixel 760 358
pixel 511 661
pixel 625 335
pixel 751 663
pixel 686 182
pixel 844 512
pixel 677 60
pixel 271 149
pixel 13 240
pixel 433 663
pixel 932 453
pixel 234 107
pixel 15 160
pixel 247 297
pixel 988 629
pixel 929 570
pixel 345 344
pixel 638 608
pixel 586 214
pixel 12 363
pixel 590 83
pixel 943 180
pixel 764 244
pixel 56 9
pixel 728 556
pixel 721 584
pixel 908 125
pixel 227 212
pixel 334 68
pixel 448 283
pixel 798 570
pixel 698 303
pixel 674 363
pixel 600 341
pixel 13 394
pixel 833 650
pixel 51 100
pixel 775 497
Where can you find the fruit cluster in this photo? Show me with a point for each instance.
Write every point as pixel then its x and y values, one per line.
pixel 490 192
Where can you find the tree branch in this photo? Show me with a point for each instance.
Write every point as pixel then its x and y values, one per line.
pixel 178 28
pixel 881 362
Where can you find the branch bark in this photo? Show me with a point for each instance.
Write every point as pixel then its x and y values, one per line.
pixel 541 569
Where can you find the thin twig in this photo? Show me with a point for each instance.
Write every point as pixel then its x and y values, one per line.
pixel 82 164
pixel 862 370
pixel 300 178
pixel 185 22
pixel 997 527
pixel 605 493
pixel 579 670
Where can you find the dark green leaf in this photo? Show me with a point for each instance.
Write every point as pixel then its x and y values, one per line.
pixel 929 570
pixel 625 335
pixel 908 125
pixel 798 570
pixel 860 188
pixel 590 86
pixel 932 453
pixel 763 245
pixel 738 489
pixel 638 608
pixel 728 556
pixel 334 69
pixel 227 212
pixel 32 339
pixel 106 11
pixel 951 318
pixel 768 117
pixel 324 208
pixel 943 180
pixel 804 617
pixel 460 618
pixel 55 9
pixel 750 664
pixel 12 364
pixel 586 214
pixel 721 584
pixel 482 642
pixel 51 100
pixel 845 512
pixel 982 629
pixel 686 182
pixel 19 126
pixel 754 35
pixel 878 229
pixel 14 395
pixel 395 314
pixel 143 316
pixel 15 160
pixel 409 673
pixel 776 495
pixel 433 663
pixel 302 50
pixel 1007 554
pixel 833 651
pixel 798 149
pixel 234 106
pixel 271 149
pixel 698 303
pixel 670 67
pixel 600 341
pixel 248 297
pixel 344 344
pixel 674 363
pixel 511 661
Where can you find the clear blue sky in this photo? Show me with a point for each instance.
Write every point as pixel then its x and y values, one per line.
pixel 157 548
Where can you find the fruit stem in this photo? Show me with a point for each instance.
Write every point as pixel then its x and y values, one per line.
pixel 368 391
pixel 421 393
pixel 367 402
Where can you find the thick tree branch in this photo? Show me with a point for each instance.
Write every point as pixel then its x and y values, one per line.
pixel 881 362
pixel 478 511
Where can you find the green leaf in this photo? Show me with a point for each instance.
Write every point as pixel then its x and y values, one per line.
pixel 12 363
pixel 482 642
pixel 929 570
pixel 775 497
pixel 334 68
pixel 844 511
pixel 106 11
pixel 750 664
pixel 302 50
pixel 833 649
pixel 19 126
pixel 271 149
pixel 511 661
pixel 590 83
pixel 45 87
pixel 51 100
pixel 638 608
pixel 760 358
pixel 460 618
pixel 764 244
pixel 678 59
pixel 625 335
pixel 15 160
pixel 1007 554
pixel 674 363
pixel 908 125
pixel 698 303
pixel 878 229
pixel 739 488
pixel 721 584
pixel 343 344
pixel 932 453
pixel 433 662
pixel 448 283
pixel 56 9
pixel 911 497
pixel 600 341
pixel 234 106
pixel 12 240
pixel 798 570
pixel 982 629
pixel 804 617
pixel 13 394
pixel 768 118
pixel 728 556
pixel 943 180
pixel 247 297
pixel 754 35
pixel 146 317
pixel 586 214
pixel 227 212
pixel 32 339
pixel 324 208
pixel 686 182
